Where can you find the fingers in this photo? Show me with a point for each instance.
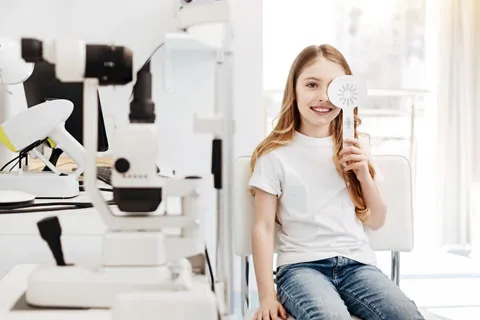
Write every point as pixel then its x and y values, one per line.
pixel 354 158
pixel 354 166
pixel 283 313
pixel 353 142
pixel 266 314
pixel 260 316
pixel 350 150
pixel 274 314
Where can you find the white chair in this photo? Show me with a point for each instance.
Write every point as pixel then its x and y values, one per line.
pixel 395 236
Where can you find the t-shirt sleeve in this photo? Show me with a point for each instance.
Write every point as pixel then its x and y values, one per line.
pixel 266 174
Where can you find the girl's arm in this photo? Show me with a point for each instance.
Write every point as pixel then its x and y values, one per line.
pixel 265 207
pixel 354 157
pixel 374 201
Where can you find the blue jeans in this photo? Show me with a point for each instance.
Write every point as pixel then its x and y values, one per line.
pixel 338 287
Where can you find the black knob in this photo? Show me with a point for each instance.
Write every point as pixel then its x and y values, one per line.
pixel 51 231
pixel 32 50
pixel 122 165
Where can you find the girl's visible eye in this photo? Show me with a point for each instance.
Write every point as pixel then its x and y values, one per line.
pixel 311 85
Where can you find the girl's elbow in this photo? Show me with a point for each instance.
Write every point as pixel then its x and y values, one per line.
pixel 379 218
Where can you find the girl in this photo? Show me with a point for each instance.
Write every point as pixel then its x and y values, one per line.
pixel 322 195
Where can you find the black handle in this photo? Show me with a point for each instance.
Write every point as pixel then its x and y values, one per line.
pixel 51 231
pixel 217 163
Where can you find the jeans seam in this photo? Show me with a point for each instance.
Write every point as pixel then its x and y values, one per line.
pixel 377 314
pixel 294 301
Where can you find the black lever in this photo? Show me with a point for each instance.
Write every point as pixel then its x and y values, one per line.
pixel 51 231
pixel 217 163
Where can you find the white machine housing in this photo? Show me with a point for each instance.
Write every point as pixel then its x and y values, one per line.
pixel 13 70
pixel 136 261
pixel 142 172
pixel 42 185
pixel 43 121
pixel 143 268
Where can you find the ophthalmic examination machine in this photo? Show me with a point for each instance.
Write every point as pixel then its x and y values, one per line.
pixel 143 270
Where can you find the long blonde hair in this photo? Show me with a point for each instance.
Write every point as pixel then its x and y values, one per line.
pixel 289 121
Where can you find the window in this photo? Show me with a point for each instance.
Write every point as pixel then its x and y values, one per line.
pixel 383 41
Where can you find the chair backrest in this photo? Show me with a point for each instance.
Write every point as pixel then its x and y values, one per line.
pixel 396 189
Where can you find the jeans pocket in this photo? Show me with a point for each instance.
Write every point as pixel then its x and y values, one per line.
pixel 280 271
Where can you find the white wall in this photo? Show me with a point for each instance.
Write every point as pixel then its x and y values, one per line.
pixel 140 25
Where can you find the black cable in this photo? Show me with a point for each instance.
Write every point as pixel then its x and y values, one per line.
pixel 24 153
pixel 209 264
pixel 23 211
pixel 15 209
pixel 9 162
pixel 16 164
pixel 48 204
pixel 104 180
pixel 148 62
pixel 82 189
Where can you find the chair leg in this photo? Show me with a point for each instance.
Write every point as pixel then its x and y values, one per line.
pixel 245 290
pixel 396 267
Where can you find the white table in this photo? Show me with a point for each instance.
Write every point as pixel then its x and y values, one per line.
pixel 13 306
pixel 77 221
pixel 82 232
pixel 21 246
pixel 22 249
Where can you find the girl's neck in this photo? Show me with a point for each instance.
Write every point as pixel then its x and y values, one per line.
pixel 314 131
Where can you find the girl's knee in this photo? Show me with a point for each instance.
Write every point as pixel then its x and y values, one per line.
pixel 307 308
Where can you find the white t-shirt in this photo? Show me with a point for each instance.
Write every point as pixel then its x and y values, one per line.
pixel 314 208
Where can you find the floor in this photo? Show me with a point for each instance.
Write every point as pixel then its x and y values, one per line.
pixel 441 283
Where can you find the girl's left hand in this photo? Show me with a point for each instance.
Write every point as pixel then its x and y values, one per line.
pixel 353 157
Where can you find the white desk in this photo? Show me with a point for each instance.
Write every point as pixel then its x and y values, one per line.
pixel 82 232
pixel 77 221
pixel 13 306
pixel 22 249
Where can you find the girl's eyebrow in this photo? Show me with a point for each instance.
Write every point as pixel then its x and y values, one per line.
pixel 313 78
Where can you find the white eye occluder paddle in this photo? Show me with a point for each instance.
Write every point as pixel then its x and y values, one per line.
pixel 347 92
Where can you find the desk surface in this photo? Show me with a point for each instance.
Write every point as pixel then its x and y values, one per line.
pixel 74 222
pixel 13 306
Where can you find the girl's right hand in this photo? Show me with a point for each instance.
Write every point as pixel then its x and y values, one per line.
pixel 270 309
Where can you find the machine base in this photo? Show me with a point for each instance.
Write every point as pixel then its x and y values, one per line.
pixel 46 185
pixel 81 287
pixel 198 303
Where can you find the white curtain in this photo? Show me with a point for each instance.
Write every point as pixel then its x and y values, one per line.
pixel 458 117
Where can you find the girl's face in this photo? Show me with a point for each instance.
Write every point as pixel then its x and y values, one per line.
pixel 316 111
